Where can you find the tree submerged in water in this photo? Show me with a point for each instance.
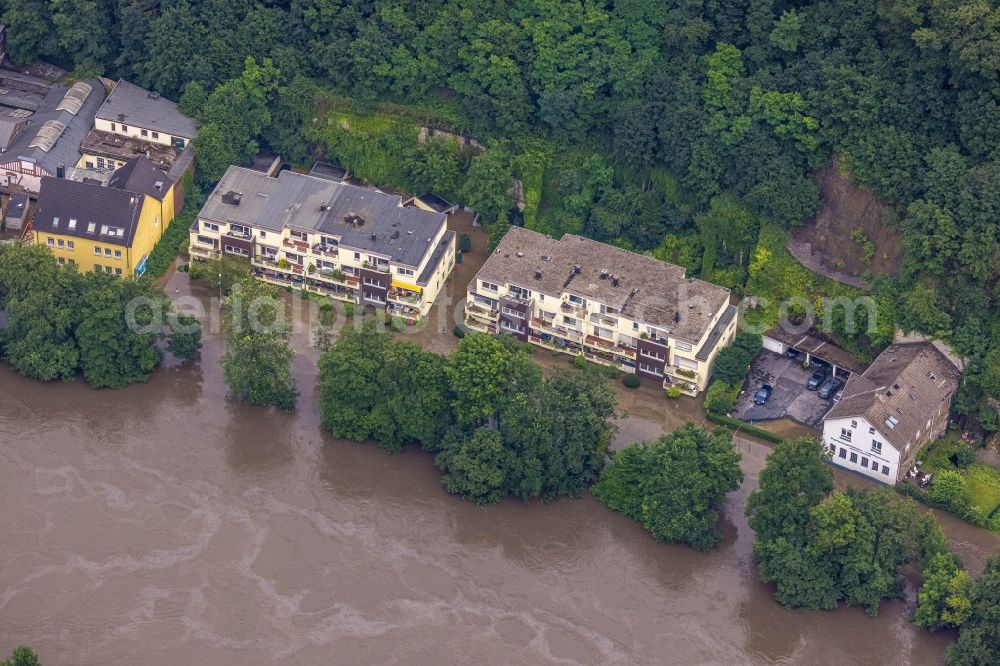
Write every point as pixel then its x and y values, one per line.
pixel 22 656
pixel 675 486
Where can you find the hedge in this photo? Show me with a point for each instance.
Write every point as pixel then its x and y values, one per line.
pixel 970 515
pixel 736 424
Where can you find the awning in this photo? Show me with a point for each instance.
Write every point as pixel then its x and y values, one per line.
pixel 403 285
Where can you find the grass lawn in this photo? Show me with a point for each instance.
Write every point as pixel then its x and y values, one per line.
pixel 983 480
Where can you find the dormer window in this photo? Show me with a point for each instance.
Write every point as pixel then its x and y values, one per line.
pixel 892 421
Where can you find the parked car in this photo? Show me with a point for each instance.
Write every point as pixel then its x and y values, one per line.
pixel 829 387
pixel 762 394
pixel 817 379
pixel 793 352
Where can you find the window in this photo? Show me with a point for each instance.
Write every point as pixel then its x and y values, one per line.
pixel 891 422
pixel 262 234
pixel 569 321
pixel 864 461
pixel 107 252
pixel 206 240
pixel 489 286
pixel 97 250
pixel 144 132
pixel 651 369
pixel 208 226
pixel 682 346
pixel 72 262
pixel 374 298
pixel 52 242
pixel 512 313
pixel 294 258
pixel 100 162
pixel 876 446
pixel 90 165
pixel 61 243
pixel 653 353
pixel 871 431
pixel 60 261
pixel 91 226
pixel 854 457
pixel 404 271
pixel 125 128
pixel 576 300
pixel 107 269
pixel 845 434
pixel 241 251
pixel 885 470
pixel 118 254
pixel 635 326
pixel 606 333
pixel 682 362
pixel 98 268
pixel 357 257
pixel 118 271
pixel 156 135
pixel 55 221
pixel 239 229
pixel 72 223
pixel 833 448
pixel 843 453
pixel 854 424
pixel 509 326
pixel 113 129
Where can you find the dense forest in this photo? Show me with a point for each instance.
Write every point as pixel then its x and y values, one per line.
pixel 686 128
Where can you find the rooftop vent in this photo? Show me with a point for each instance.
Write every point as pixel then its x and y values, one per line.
pixel 614 281
pixel 520 254
pixel 153 95
pixel 322 205
pixel 263 195
pixel 374 237
pixel 677 317
pixel 576 269
pixel 395 235
pixel 604 274
pixel 121 116
pixel 354 219
pixel 931 376
pixel 158 185
pixel 538 274
pixel 546 257
pixel 232 198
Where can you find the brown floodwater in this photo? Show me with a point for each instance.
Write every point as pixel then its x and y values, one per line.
pixel 165 524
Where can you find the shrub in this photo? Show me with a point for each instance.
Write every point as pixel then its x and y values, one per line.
pixel 464 243
pixel 458 257
pixel 673 392
pixel 325 306
pixel 580 362
pixel 459 331
pixel 740 426
pixel 964 456
pixel 951 491
pixel 397 323
pixel 303 294
pixel 184 246
pixel 733 361
pixel 631 381
pixel 720 397
pixel 348 309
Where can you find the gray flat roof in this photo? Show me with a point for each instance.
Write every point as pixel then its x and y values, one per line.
pixel 143 108
pixel 66 150
pixel 308 203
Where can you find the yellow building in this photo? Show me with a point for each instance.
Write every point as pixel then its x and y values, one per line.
pixel 111 229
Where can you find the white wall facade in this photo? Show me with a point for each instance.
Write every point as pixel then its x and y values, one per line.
pixel 144 133
pixel 853 444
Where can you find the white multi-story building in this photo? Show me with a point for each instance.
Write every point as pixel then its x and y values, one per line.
pixel 612 306
pixel 887 412
pixel 349 243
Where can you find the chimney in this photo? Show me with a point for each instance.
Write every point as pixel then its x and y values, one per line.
pixel 322 205
pixel 61 171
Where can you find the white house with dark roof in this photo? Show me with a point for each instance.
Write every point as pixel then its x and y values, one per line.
pixel 890 410
pixel 615 307
pixel 131 111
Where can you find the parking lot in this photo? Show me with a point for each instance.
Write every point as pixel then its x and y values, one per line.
pixel 790 398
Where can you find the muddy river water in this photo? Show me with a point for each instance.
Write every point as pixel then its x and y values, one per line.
pixel 163 524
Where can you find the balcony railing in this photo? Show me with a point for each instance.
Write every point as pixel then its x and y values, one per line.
pixel 683 374
pixel 330 275
pixel 404 296
pixel 381 268
pixel 326 250
pixel 603 320
pixel 516 298
pixel 572 308
pixel 594 340
pixel 482 311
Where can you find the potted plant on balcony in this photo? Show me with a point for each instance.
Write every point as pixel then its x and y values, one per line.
pixel 282 263
pixel 312 268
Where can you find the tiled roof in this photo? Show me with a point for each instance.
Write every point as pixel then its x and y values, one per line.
pixel 638 286
pixel 816 346
pixel 132 105
pixel 141 177
pixel 69 207
pixel 905 386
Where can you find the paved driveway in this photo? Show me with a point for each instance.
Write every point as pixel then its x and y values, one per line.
pixel 790 397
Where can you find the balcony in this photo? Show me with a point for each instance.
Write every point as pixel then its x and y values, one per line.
pixel 573 309
pixel 482 311
pixel 626 350
pixel 593 341
pixel 326 250
pixel 603 320
pixel 682 374
pixel 405 311
pixel 685 386
pixel 405 296
pixel 481 327
pixel 381 268
pixel 335 277
pixel 515 298
pixel 237 234
pixel 297 245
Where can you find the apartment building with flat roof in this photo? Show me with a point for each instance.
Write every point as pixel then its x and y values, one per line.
pixel 614 307
pixel 349 243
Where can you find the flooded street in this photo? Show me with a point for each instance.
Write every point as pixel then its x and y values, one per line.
pixel 163 524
